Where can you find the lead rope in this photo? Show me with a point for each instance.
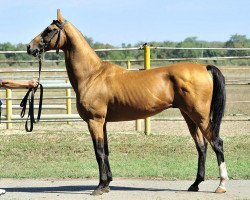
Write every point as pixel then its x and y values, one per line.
pixel 30 97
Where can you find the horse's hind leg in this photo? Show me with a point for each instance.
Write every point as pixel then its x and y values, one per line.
pixel 217 145
pixel 201 146
pixel 204 124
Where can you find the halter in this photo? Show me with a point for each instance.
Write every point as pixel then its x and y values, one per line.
pixel 56 32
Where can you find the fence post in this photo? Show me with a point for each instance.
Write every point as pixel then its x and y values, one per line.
pixel 8 108
pixel 68 101
pixel 138 123
pixel 128 64
pixel 147 67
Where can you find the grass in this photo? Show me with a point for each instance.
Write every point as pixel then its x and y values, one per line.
pixel 70 155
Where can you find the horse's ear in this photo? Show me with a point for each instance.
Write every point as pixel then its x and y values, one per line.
pixel 59 16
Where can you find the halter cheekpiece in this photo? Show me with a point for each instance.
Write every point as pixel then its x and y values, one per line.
pixel 56 32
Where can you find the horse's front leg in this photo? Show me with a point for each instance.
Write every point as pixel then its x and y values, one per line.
pixel 96 127
pixel 106 149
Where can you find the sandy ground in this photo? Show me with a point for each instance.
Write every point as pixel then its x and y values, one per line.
pixel 177 128
pixel 122 189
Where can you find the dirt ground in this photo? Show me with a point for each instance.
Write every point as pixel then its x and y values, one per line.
pixel 122 189
pixel 177 128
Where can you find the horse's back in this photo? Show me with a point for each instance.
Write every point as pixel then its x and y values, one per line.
pixel 184 68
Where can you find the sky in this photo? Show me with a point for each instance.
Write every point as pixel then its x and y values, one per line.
pixel 128 21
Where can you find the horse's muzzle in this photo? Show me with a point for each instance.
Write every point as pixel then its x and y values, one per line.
pixel 33 52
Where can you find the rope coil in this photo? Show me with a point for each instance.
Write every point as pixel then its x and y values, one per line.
pixel 29 97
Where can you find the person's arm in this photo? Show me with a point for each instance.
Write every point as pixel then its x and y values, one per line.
pixel 11 84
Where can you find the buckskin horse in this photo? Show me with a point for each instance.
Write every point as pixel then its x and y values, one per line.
pixel 106 92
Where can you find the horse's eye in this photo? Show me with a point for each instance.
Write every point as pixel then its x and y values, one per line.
pixel 46 32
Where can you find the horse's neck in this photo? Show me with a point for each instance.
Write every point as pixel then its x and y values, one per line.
pixel 81 60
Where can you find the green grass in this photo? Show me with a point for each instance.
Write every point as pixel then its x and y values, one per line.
pixel 61 155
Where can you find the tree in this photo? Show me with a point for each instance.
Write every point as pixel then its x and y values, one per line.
pixel 188 42
pixel 237 41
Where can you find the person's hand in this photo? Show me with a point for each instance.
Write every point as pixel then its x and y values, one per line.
pixel 32 83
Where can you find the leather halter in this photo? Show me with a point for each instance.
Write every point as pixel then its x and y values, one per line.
pixel 56 32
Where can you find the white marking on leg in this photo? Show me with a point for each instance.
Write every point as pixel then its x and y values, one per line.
pixel 223 171
pixel 223 175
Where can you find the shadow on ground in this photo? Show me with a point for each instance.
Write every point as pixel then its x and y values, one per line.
pixel 82 189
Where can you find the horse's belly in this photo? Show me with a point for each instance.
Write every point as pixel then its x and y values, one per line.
pixel 123 113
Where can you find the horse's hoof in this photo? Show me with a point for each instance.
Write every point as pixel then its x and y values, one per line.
pixel 105 189
pixel 220 190
pixel 97 192
pixel 193 188
pixel 100 191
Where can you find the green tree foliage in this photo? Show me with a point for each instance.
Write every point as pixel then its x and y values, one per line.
pixel 235 41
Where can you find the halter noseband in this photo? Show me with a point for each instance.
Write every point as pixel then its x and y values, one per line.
pixel 58 31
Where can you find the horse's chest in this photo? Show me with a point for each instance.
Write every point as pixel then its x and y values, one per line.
pixel 90 105
pixel 83 112
pixel 83 107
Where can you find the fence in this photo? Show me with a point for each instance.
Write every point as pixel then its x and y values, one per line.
pixel 10 118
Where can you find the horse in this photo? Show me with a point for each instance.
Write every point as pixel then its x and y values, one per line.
pixel 106 92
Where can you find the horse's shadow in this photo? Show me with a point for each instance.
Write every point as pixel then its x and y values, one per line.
pixel 85 189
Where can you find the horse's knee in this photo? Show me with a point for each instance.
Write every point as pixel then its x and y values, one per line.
pixel 202 147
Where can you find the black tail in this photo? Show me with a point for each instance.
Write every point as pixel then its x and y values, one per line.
pixel 218 100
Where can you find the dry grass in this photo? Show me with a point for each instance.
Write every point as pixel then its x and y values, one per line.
pixel 68 154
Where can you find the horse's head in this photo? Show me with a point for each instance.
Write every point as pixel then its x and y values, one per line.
pixel 50 38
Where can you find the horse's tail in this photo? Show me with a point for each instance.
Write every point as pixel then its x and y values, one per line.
pixel 218 100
